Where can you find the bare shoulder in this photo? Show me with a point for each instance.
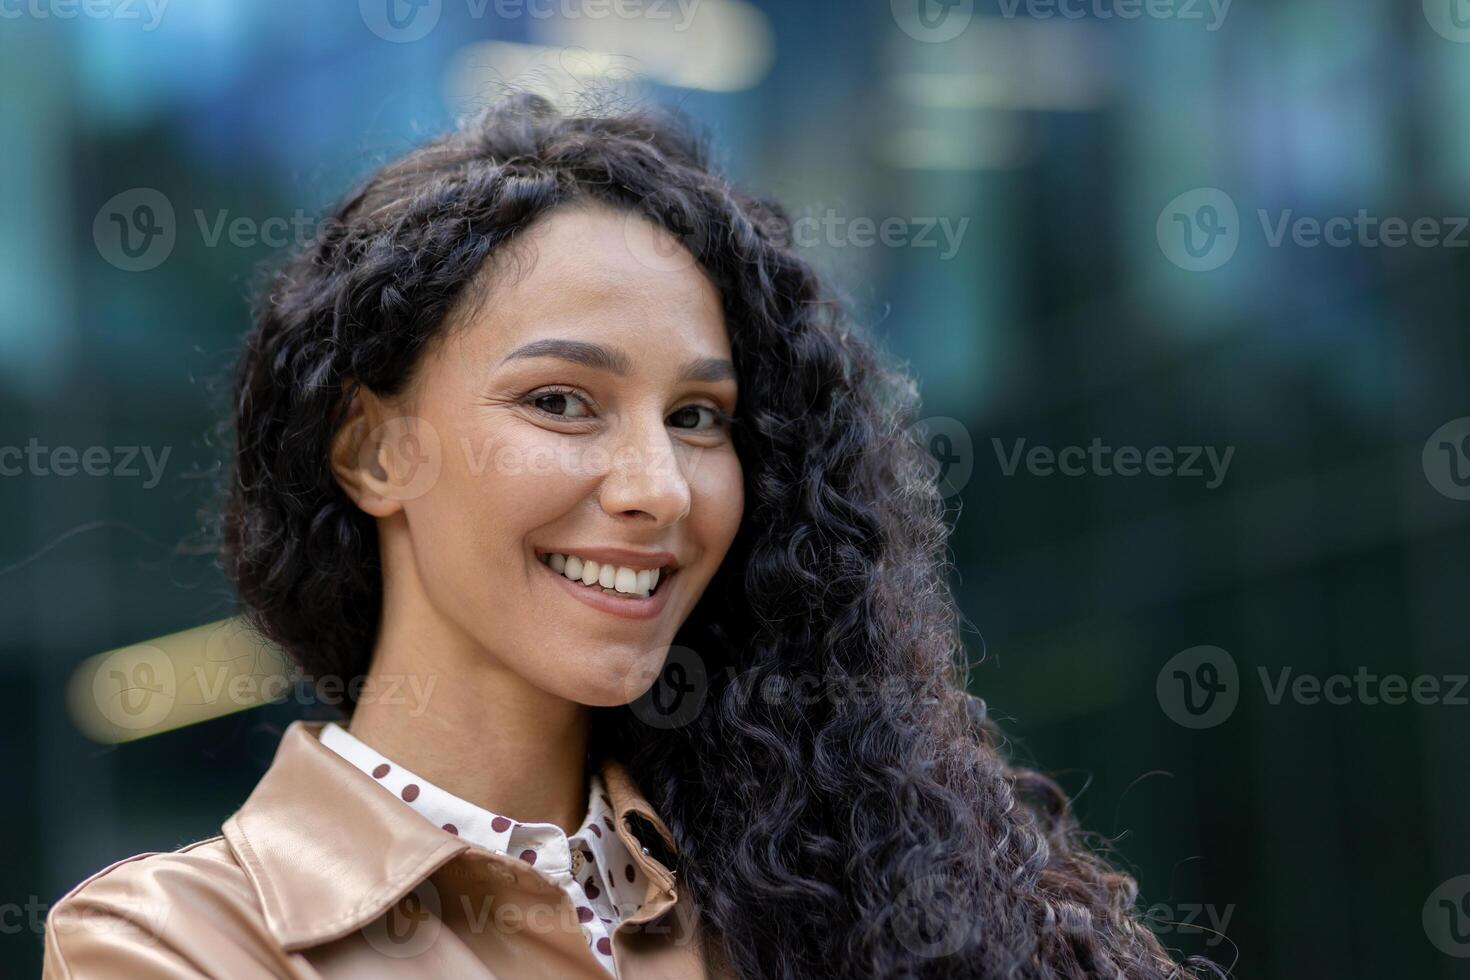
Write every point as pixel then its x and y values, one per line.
pixel 170 913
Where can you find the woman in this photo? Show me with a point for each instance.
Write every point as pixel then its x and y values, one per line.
pixel 694 670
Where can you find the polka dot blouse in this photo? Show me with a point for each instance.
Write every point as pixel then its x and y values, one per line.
pixel 592 866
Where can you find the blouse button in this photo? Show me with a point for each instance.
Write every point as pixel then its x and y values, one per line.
pixel 578 859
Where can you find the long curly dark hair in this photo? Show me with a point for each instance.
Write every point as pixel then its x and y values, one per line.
pixel 878 835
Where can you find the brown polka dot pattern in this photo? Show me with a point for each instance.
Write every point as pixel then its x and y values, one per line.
pixel 599 895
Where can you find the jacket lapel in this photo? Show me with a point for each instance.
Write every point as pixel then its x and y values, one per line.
pixel 328 851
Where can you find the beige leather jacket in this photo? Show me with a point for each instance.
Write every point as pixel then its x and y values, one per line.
pixel 323 874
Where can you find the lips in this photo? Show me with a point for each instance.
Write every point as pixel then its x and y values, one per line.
pixel 626 557
pixel 627 606
pixel 639 581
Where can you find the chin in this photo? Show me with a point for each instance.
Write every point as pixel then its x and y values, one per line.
pixel 613 680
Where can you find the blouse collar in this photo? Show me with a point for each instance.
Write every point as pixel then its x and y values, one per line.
pixel 618 886
pixel 314 810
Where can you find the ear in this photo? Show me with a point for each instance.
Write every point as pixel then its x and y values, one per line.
pixel 359 456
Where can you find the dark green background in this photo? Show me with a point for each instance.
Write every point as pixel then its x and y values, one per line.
pixel 1320 829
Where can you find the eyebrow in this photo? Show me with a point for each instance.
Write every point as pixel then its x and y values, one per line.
pixel 614 361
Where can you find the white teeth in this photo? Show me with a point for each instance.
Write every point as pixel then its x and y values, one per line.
pixel 619 578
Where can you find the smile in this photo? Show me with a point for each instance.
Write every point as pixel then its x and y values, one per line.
pixel 634 593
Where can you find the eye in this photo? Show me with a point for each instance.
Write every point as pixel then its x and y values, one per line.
pixel 689 413
pixel 562 403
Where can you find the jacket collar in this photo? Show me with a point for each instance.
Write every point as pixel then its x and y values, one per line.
pixel 327 851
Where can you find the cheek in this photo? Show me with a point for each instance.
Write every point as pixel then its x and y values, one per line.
pixel 718 490
pixel 497 484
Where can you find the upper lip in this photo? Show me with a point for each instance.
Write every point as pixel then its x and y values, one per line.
pixel 619 556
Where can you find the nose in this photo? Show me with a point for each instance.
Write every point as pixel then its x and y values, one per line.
pixel 645 479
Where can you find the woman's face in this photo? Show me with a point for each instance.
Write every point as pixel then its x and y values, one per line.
pixel 579 408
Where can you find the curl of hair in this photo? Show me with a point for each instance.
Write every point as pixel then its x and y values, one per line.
pixel 813 832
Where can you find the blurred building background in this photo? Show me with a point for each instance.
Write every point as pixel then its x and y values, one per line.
pixel 1084 223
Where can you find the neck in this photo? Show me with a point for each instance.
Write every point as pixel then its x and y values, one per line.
pixel 441 705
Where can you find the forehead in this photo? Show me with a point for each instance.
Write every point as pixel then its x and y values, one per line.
pixel 586 274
